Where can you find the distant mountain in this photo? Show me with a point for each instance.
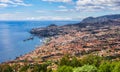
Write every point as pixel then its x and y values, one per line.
pixel 101 18
pixel 54 30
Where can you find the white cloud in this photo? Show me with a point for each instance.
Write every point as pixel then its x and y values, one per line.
pixel 64 1
pixel 61 6
pixel 49 18
pixel 65 10
pixel 6 3
pixel 41 11
pixel 5 16
pixel 95 5
pixel 12 16
pixel 19 0
pixel 62 10
pixel 19 12
pixel 21 4
pixel 3 5
pixel 19 16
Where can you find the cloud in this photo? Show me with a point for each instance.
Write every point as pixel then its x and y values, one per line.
pixel 89 5
pixel 41 11
pixel 64 1
pixel 65 10
pixel 14 3
pixel 5 16
pixel 61 6
pixel 62 10
pixel 49 18
pixel 95 5
pixel 19 0
pixel 3 5
pixel 19 16
pixel 12 16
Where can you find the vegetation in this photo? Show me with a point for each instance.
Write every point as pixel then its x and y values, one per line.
pixel 86 68
pixel 65 69
pixel 89 63
pixel 6 68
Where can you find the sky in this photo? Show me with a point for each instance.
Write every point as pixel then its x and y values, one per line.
pixel 56 9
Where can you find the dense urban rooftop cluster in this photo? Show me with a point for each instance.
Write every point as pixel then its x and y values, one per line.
pixel 104 41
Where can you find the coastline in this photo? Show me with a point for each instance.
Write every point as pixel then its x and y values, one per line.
pixel 19 31
pixel 76 40
pixel 75 44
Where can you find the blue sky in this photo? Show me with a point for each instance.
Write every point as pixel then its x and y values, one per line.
pixel 56 9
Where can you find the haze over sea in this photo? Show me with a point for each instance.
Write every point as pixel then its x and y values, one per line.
pixel 12 34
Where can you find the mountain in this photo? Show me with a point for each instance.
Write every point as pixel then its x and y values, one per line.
pixel 53 30
pixel 101 18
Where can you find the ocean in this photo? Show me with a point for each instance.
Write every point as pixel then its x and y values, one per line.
pixel 12 34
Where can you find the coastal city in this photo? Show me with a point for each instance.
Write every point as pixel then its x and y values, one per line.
pixel 88 43
pixel 79 40
pixel 103 41
pixel 59 35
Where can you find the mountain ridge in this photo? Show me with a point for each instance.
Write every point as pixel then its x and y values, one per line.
pixel 109 20
pixel 100 19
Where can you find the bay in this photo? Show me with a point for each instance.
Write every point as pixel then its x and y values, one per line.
pixel 12 34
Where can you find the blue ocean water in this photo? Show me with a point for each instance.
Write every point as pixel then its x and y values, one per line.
pixel 12 34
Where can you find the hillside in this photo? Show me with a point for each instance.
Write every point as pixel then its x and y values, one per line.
pixel 78 41
pixel 109 20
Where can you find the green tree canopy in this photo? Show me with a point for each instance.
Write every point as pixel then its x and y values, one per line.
pixel 105 67
pixel 91 60
pixel 65 69
pixel 117 67
pixel 5 68
pixel 85 68
pixel 65 61
pixel 75 62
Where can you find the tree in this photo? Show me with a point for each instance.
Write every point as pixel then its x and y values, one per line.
pixel 75 62
pixel 116 68
pixel 91 60
pixel 65 61
pixel 85 68
pixel 39 68
pixel 15 67
pixel 36 68
pixel 65 69
pixel 6 68
pixel 0 68
pixel 105 67
pixel 24 68
pixel 49 70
